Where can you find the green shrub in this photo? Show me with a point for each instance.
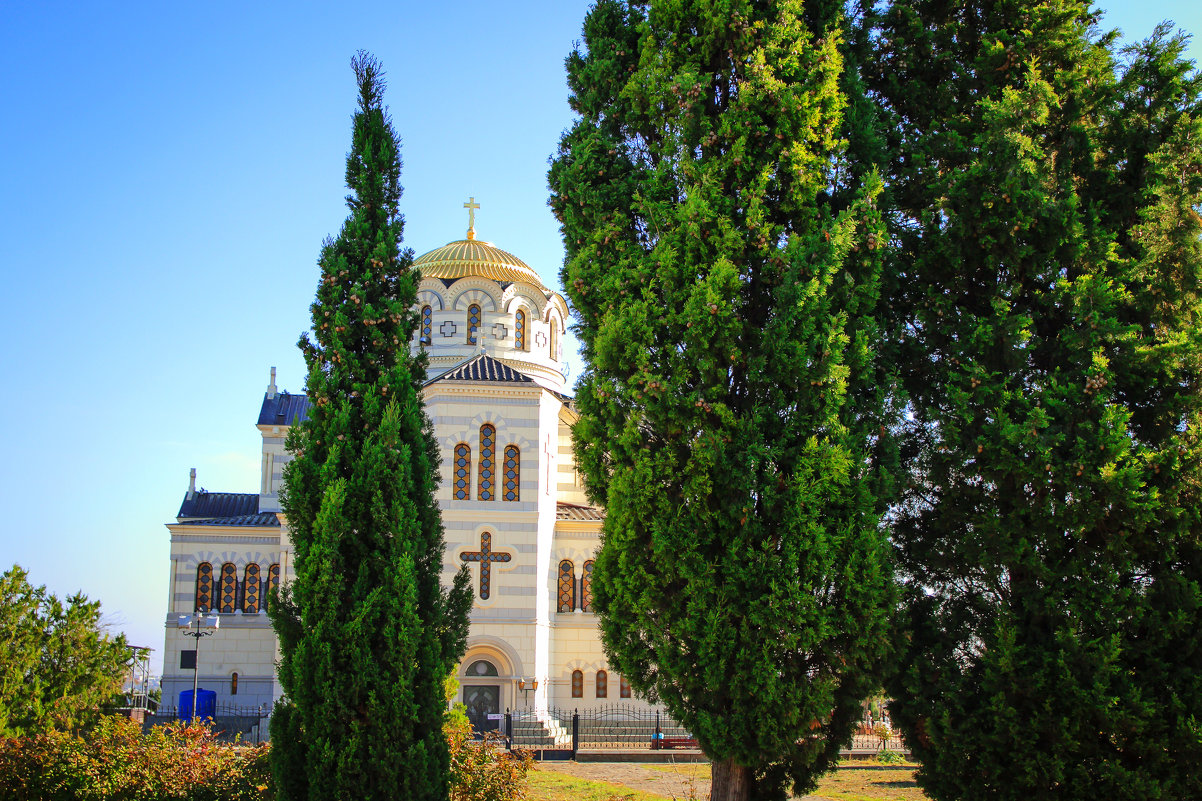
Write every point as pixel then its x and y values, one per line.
pixel 483 770
pixel 116 761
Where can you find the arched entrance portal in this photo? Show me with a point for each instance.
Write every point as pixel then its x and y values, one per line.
pixel 482 695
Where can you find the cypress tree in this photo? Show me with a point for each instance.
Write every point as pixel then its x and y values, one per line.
pixel 723 260
pixel 1048 247
pixel 367 633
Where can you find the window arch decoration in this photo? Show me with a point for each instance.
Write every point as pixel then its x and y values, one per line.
pixel 233 684
pixel 586 588
pixel 473 322
pixel 602 684
pixel 204 587
pixel 250 589
pixel 488 470
pixel 427 325
pixel 623 687
pixel 481 667
pixel 577 683
pixel 567 587
pixel 519 329
pixel 513 470
pixel 229 589
pixel 463 465
pixel 273 579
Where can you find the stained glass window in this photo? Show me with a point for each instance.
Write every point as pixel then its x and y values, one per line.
pixel 554 341
pixel 488 441
pixel 567 587
pixel 473 322
pixel 623 688
pixel 250 589
pixel 204 587
pixel 513 465
pixel 229 588
pixel 427 325
pixel 586 588
pixel 463 464
pixel 519 330
pixel 273 579
pixel 602 684
pixel 577 684
pixel 233 684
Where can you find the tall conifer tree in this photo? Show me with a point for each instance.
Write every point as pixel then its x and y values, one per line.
pixel 1050 260
pixel 367 633
pixel 724 265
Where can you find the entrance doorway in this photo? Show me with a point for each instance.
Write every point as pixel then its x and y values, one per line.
pixel 481 696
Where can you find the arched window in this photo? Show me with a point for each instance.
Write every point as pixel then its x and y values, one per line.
pixel 233 684
pixel 567 587
pixel 273 579
pixel 427 325
pixel 623 688
pixel 577 683
pixel 513 465
pixel 463 466
pixel 473 322
pixel 554 340
pixel 229 588
pixel 481 667
pixel 250 589
pixel 488 442
pixel 586 588
pixel 602 684
pixel 519 329
pixel 204 587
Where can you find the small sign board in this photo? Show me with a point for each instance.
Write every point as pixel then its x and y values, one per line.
pixel 495 716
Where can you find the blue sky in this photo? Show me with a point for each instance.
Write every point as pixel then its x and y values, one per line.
pixel 167 174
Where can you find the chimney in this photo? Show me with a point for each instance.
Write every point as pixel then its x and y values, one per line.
pixel 191 484
pixel 271 390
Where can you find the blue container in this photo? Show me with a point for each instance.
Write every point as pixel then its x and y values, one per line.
pixel 206 704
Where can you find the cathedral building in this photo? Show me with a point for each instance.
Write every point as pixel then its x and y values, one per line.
pixel 513 508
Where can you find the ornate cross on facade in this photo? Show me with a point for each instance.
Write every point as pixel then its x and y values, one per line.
pixel 471 207
pixel 485 556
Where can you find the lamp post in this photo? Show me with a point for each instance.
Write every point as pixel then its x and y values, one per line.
pixel 205 625
pixel 526 685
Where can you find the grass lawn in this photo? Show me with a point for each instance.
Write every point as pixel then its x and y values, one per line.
pixel 633 782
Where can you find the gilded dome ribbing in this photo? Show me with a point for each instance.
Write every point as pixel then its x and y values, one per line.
pixel 466 257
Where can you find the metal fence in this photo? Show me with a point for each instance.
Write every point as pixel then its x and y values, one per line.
pixel 562 733
pixel 612 727
pixel 244 724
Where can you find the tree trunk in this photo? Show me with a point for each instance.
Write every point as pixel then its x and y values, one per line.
pixel 729 781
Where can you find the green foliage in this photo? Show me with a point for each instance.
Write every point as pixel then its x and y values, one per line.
pixel 115 761
pixel 1050 264
pixel 58 665
pixel 484 770
pixel 724 261
pixel 367 633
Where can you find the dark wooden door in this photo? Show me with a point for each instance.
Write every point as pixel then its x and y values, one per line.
pixel 481 701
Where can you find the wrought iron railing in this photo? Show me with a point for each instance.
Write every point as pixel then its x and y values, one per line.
pixel 245 724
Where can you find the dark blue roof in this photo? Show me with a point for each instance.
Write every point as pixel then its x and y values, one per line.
pixel 483 368
pixel 218 504
pixel 283 409
pixel 261 519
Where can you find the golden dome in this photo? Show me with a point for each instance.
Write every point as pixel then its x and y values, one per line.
pixel 470 256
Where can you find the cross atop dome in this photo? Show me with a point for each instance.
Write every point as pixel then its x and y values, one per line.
pixel 471 207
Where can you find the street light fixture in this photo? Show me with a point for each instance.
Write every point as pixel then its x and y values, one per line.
pixel 198 625
pixel 526 685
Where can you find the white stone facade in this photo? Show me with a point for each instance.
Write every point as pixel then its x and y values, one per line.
pixel 510 379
